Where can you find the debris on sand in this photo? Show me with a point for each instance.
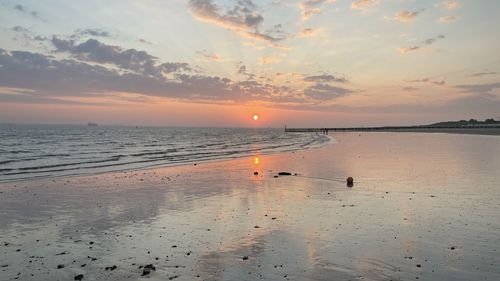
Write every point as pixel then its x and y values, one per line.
pixel 111 268
pixel 350 181
pixel 147 269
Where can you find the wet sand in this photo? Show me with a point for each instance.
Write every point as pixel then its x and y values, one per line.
pixel 423 206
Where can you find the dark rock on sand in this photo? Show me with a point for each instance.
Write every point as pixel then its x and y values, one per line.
pixel 284 174
pixel 245 258
pixel 255 173
pixel 111 268
pixel 147 269
pixel 60 266
pixel 79 277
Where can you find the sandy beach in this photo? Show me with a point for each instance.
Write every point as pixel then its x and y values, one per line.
pixel 423 206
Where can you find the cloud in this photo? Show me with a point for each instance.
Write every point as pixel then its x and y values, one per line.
pixel 312 7
pixel 19 28
pixel 321 91
pixel 269 60
pixel 46 77
pixel 429 41
pixel 144 41
pixel 447 19
pixel 448 5
pixel 405 16
pixel 243 18
pixel 481 74
pixel 128 59
pixel 362 4
pixel 308 32
pixel 428 80
pixel 409 49
pixel 242 70
pixel 93 32
pixel 479 88
pixel 325 78
pixel 24 9
pixel 206 55
pixel 410 89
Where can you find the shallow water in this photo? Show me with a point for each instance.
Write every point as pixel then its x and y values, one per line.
pixel 37 151
pixel 423 206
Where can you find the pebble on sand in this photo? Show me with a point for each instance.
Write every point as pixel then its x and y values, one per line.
pixel 79 277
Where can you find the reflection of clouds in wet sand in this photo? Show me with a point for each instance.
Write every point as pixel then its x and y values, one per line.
pixel 271 256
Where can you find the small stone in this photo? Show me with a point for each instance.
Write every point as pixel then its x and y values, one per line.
pixel 256 226
pixel 146 271
pixel 60 266
pixel 284 174
pixel 255 173
pixel 79 277
pixel 245 258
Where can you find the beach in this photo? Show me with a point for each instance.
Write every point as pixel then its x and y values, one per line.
pixel 423 206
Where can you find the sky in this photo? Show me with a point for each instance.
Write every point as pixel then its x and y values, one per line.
pixel 306 63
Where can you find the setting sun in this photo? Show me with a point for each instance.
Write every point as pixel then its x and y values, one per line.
pixel 255 117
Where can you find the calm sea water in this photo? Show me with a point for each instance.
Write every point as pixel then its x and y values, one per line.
pixel 29 151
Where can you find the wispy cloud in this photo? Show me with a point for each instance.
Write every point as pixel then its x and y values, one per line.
pixel 269 60
pixel 428 41
pixel 308 32
pixel 325 78
pixel 429 80
pixel 405 16
pixel 362 4
pixel 406 50
pixel 481 74
pixel 309 8
pixel 206 55
pixel 447 19
pixel 26 10
pixel 410 89
pixel 479 88
pixel 431 41
pixel 448 4
pixel 243 18
pixel 321 91
pixel 96 32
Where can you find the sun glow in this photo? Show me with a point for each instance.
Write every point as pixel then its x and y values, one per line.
pixel 255 117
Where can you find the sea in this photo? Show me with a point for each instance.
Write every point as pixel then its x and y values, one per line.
pixel 34 151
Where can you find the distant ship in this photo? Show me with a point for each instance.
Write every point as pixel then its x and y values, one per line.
pixel 92 124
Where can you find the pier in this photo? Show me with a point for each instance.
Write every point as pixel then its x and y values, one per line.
pixel 392 129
